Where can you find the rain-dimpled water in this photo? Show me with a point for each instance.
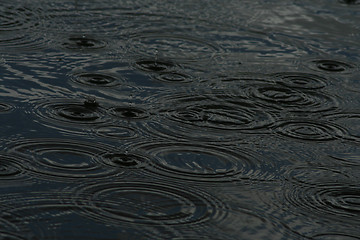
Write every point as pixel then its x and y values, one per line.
pixel 179 119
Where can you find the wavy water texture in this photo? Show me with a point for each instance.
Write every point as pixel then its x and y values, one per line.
pixel 129 119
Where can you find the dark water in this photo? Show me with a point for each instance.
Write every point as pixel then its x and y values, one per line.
pixel 179 119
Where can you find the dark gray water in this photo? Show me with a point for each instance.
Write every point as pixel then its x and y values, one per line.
pixel 179 119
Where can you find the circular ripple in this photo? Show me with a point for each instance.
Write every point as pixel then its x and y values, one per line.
pixel 327 194
pixel 283 98
pixel 16 18
pixel 95 79
pixel 129 112
pixel 146 203
pixel 174 77
pixel 172 46
pixel 83 43
pixel 332 66
pixel 206 163
pixel 64 160
pixel 310 130
pixel 154 65
pixel 201 118
pixel 125 159
pixel 18 26
pixel 70 113
pixel 116 132
pixel 300 80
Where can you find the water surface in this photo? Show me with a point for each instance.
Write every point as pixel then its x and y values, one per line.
pixel 179 119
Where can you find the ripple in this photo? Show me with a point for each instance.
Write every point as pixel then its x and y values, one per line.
pixel 13 227
pixel 174 77
pixel 18 25
pixel 5 108
pixel 300 80
pixel 324 193
pixel 200 118
pixel 154 65
pixel 13 18
pixel 57 159
pixel 11 168
pixel 172 46
pixel 146 203
pixel 291 100
pixel 125 159
pixel 83 43
pixel 207 163
pixel 350 121
pixel 129 112
pixel 95 79
pixel 69 114
pixel 116 132
pixel 310 130
pixel 332 66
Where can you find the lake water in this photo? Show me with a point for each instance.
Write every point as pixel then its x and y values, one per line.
pixel 179 119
